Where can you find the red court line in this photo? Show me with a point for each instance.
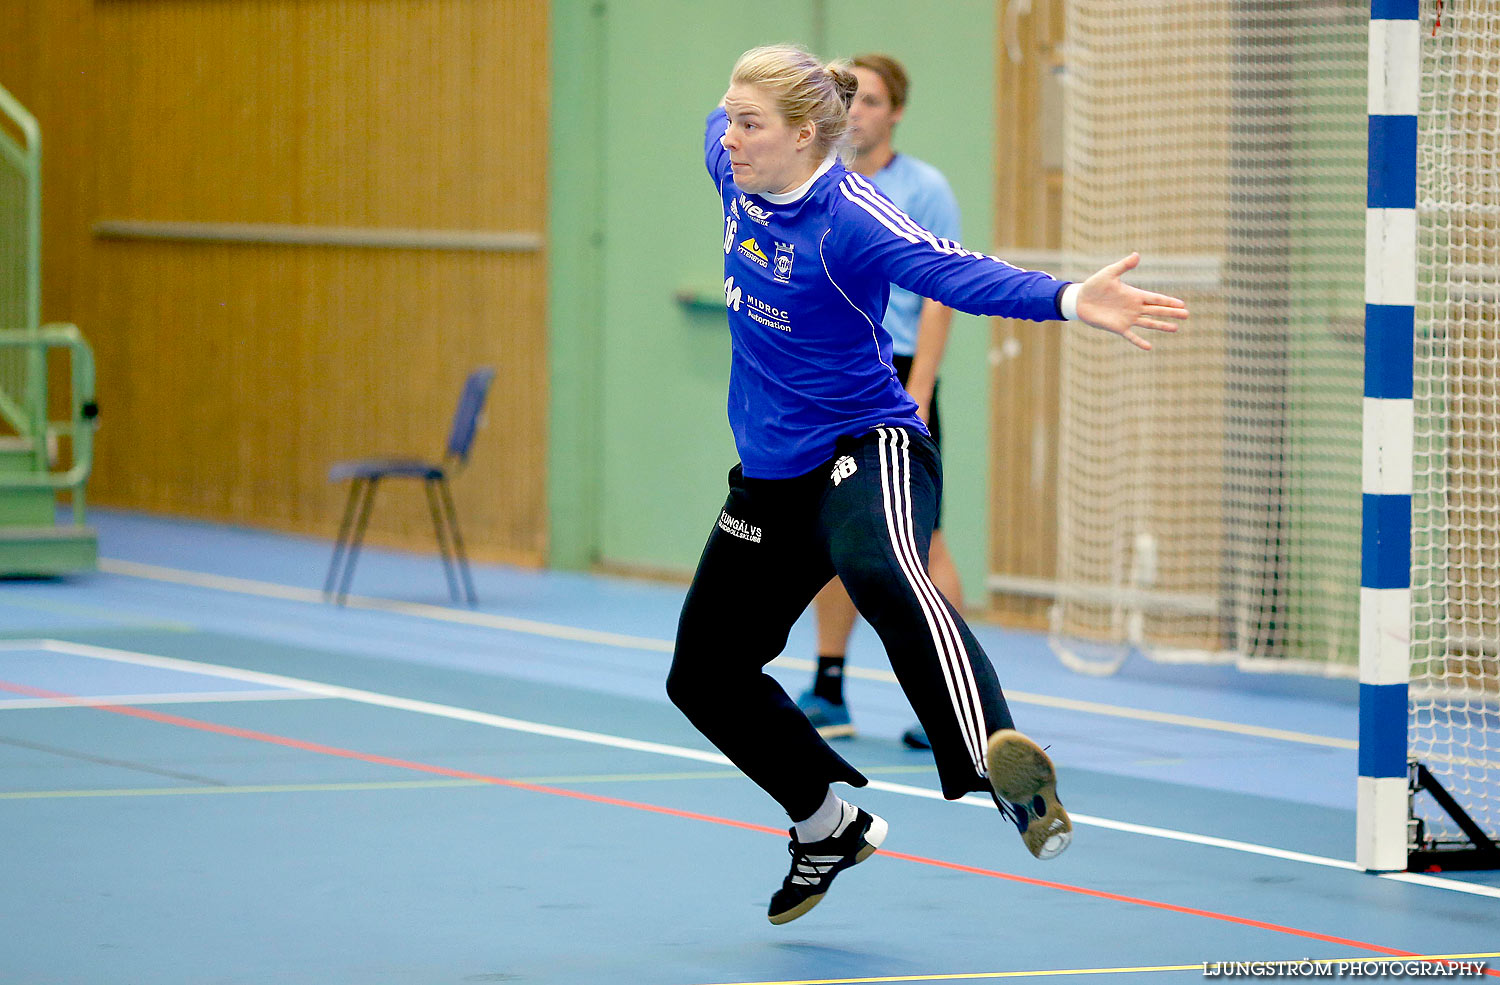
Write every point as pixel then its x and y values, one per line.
pixel 367 757
pixel 326 750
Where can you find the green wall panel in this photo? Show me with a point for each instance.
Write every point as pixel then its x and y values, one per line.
pixel 949 52
pixel 575 238
pixel 641 443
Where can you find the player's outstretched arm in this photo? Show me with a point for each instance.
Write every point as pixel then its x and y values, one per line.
pixel 1107 302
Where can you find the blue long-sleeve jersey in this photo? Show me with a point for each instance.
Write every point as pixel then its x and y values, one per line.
pixel 807 275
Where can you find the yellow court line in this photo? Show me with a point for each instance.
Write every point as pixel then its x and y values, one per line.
pixel 113 616
pixel 341 787
pixel 634 777
pixel 983 975
pixel 976 976
pixel 396 784
pixel 258 788
pixel 691 775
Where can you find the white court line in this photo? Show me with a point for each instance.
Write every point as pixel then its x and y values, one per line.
pixel 681 752
pixel 533 627
pixel 467 617
pixel 169 698
pixel 1112 711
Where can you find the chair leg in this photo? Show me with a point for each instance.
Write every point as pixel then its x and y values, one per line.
pixel 342 543
pixel 358 539
pixel 458 544
pixel 440 528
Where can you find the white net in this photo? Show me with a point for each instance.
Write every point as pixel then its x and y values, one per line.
pixel 1209 491
pixel 1455 683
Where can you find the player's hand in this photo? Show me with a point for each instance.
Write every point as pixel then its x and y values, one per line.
pixel 1106 302
pixel 923 397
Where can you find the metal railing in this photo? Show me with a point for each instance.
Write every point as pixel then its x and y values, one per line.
pixel 78 426
pixel 22 369
pixel 24 341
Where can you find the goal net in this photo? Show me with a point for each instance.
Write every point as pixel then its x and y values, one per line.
pixel 1455 676
pixel 1209 492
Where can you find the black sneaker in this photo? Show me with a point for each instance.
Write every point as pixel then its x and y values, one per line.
pixel 1025 782
pixel 815 864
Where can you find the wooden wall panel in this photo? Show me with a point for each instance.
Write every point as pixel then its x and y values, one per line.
pixel 407 113
pixel 232 375
pixel 1024 403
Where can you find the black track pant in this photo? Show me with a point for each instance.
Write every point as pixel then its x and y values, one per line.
pixel 865 515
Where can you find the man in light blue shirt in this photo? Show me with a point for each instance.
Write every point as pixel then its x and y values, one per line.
pixel 919 332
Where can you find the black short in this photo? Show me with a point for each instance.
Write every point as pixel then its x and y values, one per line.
pixel 934 423
pixel 934 426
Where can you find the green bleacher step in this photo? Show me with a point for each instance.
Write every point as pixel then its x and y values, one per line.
pixel 16 455
pixel 47 550
pixel 26 507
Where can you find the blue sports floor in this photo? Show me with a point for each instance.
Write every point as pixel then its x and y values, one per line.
pixel 208 776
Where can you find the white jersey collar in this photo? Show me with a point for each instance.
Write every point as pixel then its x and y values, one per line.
pixel 787 198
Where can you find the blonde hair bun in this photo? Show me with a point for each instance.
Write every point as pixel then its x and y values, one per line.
pixel 844 80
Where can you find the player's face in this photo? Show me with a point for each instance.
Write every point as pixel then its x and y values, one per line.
pixel 871 116
pixel 767 153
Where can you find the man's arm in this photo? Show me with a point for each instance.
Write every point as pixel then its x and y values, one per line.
pixel 932 340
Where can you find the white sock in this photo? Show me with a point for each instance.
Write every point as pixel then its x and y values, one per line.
pixel 827 821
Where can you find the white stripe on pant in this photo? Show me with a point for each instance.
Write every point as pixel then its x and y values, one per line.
pixel 865 514
pixel 895 475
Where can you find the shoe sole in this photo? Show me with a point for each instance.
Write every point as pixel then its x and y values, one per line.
pixel 878 830
pixel 1020 772
pixel 845 731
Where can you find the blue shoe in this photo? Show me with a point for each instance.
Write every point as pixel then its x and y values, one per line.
pixel 831 720
pixel 916 737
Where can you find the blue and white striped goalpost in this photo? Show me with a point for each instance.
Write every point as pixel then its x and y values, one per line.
pixel 1390 305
